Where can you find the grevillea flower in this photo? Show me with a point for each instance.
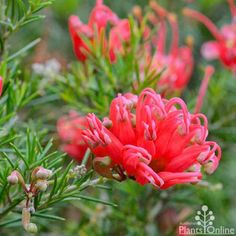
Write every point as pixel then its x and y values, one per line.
pixel 100 17
pixel 152 140
pixel 70 132
pixel 224 45
pixel 177 64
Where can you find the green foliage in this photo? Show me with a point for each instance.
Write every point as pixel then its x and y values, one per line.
pixel 97 81
pixel 17 13
pixel 31 103
pixel 25 145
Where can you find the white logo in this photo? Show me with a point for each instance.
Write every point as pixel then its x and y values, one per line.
pixel 204 225
pixel 205 218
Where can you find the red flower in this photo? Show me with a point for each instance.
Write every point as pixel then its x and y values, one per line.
pixel 77 29
pixel 177 64
pixel 70 131
pixel 153 140
pixel 100 16
pixel 118 35
pixel 224 46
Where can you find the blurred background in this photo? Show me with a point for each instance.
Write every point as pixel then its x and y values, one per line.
pixel 143 210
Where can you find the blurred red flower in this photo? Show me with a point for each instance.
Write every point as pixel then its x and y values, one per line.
pixel 100 17
pixel 152 140
pixel 177 64
pixel 70 132
pixel 224 47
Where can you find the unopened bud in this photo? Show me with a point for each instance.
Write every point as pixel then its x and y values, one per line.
pixel 25 218
pixel 31 228
pixel 41 185
pixel 12 178
pixel 43 173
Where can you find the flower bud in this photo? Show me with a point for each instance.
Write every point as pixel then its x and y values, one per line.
pixel 41 185
pixel 43 173
pixel 31 228
pixel 12 178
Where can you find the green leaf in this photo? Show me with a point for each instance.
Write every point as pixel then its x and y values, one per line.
pixel 46 216
pixel 95 200
pixel 18 152
pixel 33 19
pixel 8 222
pixel 7 140
pixel 8 159
pixel 53 191
pixel 63 181
pixel 23 50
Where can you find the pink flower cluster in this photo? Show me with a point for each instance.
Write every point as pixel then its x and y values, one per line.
pixel 70 131
pixel 177 64
pixel 99 18
pixel 224 45
pixel 147 138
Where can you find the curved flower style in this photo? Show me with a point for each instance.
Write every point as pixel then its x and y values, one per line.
pixel 224 47
pixel 70 132
pixel 100 17
pixel 152 140
pixel 209 71
pixel 177 64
